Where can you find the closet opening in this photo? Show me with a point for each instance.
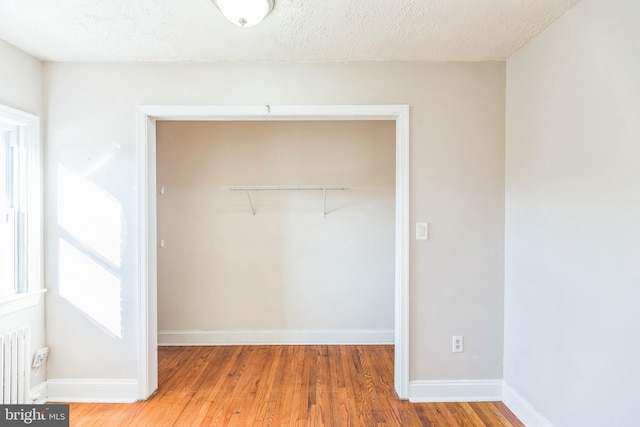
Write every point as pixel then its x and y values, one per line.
pixel 285 226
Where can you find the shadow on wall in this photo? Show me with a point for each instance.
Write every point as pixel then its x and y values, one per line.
pixel 91 226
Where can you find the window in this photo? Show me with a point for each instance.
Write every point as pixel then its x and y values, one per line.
pixel 20 210
pixel 9 283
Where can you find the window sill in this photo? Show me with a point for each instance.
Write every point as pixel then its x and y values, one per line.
pixel 20 301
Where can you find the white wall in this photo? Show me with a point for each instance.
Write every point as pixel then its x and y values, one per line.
pixel 572 218
pixel 21 77
pixel 457 184
pixel 21 88
pixel 288 268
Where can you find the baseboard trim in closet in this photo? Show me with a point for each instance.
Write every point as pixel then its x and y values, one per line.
pixel 267 337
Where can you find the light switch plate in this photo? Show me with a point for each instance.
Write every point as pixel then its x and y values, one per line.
pixel 422 230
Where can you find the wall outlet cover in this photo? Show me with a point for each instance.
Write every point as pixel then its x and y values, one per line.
pixel 40 357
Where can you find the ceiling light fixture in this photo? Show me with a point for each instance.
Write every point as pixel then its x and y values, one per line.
pixel 244 13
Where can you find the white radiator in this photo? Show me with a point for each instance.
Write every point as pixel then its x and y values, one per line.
pixel 14 366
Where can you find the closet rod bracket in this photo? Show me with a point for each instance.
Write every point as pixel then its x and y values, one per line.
pixel 253 209
pixel 249 188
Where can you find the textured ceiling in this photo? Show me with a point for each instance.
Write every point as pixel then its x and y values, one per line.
pixel 297 30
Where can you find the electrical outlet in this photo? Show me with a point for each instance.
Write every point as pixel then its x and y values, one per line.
pixel 458 344
pixel 41 357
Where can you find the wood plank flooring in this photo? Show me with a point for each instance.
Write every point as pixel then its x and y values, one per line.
pixel 293 386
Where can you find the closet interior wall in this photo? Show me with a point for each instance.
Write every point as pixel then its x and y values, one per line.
pixel 287 273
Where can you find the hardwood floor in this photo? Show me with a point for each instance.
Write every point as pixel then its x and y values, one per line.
pixel 294 386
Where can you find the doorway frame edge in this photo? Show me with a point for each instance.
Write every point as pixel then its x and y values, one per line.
pixel 146 117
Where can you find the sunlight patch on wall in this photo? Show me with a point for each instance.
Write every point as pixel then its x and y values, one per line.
pixel 90 287
pixel 90 215
pixel 90 250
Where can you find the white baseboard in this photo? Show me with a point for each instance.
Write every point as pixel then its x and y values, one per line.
pixel 95 391
pixel 271 337
pixel 522 409
pixel 39 393
pixel 455 391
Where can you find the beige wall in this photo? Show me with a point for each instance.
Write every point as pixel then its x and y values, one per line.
pixel 288 267
pixel 572 209
pixel 457 184
pixel 21 88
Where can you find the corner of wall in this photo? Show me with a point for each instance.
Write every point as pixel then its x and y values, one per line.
pixel 39 393
pixel 522 409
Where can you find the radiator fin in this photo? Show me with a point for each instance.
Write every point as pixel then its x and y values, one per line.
pixel 14 366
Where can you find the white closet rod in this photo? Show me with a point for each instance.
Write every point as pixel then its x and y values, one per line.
pixel 248 188
pixel 284 187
